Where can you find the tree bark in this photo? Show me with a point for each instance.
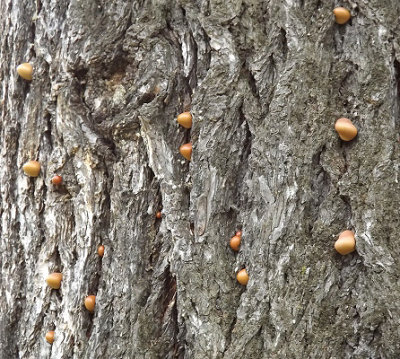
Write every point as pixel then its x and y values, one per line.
pixel 265 82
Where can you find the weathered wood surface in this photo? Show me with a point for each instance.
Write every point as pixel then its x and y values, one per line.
pixel 265 81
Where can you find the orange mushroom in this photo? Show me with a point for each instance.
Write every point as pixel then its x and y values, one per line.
pixel 100 250
pixel 56 180
pixel 186 151
pixel 53 280
pixel 25 70
pixel 346 243
pixel 242 277
pixel 90 302
pixel 235 243
pixel 31 168
pixel 50 337
pixel 342 15
pixel 345 128
pixel 185 119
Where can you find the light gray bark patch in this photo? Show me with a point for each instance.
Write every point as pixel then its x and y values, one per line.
pixel 201 215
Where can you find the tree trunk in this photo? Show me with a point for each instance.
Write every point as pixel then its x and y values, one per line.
pixel 265 82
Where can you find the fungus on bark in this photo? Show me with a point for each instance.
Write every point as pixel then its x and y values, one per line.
pixel 50 336
pixel 235 243
pixel 25 70
pixel 186 151
pixel 242 277
pixel 342 15
pixel 90 302
pixel 185 119
pixel 346 243
pixel 31 168
pixel 56 180
pixel 345 128
pixel 53 280
pixel 100 251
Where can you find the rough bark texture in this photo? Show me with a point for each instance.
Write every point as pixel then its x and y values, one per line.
pixel 265 81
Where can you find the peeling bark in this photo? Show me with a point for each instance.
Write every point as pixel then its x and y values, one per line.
pixel 265 82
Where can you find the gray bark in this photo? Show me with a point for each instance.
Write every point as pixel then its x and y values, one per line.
pixel 265 82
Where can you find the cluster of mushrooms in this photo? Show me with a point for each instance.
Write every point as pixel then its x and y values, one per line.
pixel 32 169
pixel 345 243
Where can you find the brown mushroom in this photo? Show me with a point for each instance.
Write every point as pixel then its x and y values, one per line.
pixel 235 243
pixel 346 243
pixel 186 151
pixel 25 70
pixel 90 302
pixel 185 119
pixel 345 128
pixel 342 15
pixel 31 168
pixel 50 337
pixel 53 280
pixel 242 277
pixel 100 251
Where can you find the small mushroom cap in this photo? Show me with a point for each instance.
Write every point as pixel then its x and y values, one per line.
pixel 342 15
pixel 31 168
pixel 345 128
pixel 158 215
pixel 100 251
pixel 54 280
pixel 56 180
pixel 346 243
pixel 242 277
pixel 185 119
pixel 235 243
pixel 90 302
pixel 186 151
pixel 25 70
pixel 50 337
